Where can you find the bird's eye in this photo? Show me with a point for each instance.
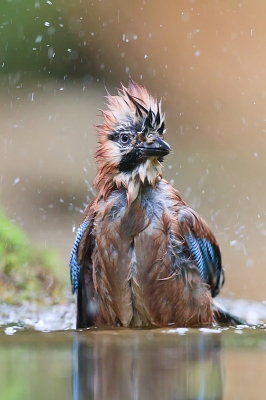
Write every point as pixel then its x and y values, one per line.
pixel 124 139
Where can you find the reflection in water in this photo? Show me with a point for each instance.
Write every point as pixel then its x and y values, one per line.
pixel 133 365
pixel 142 365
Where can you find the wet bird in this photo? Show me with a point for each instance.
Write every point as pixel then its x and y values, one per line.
pixel 142 257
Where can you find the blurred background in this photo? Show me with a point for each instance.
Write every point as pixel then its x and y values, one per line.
pixel 206 60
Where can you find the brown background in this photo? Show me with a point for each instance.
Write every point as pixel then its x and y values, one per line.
pixel 206 59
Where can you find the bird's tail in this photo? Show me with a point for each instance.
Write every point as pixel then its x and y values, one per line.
pixel 225 318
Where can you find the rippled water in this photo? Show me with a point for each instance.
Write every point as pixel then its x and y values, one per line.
pixel 131 364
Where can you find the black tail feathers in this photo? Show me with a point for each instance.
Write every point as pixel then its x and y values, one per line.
pixel 225 318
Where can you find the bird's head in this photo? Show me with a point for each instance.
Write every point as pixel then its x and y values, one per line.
pixel 131 141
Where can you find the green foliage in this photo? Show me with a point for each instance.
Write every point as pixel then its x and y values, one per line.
pixel 35 37
pixel 26 273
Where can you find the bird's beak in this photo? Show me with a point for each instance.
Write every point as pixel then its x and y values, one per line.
pixel 156 148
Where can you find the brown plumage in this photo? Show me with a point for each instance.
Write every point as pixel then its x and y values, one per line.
pixel 141 256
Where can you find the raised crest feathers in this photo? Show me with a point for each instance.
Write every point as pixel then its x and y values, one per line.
pixel 132 105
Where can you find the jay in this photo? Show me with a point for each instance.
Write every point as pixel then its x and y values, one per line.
pixel 141 256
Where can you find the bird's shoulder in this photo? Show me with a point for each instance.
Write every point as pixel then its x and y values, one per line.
pixel 188 219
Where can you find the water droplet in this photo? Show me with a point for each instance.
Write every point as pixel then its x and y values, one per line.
pixel 10 330
pixel 50 52
pixel 185 17
pixel 38 39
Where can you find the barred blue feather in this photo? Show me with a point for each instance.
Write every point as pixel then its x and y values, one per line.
pixel 73 262
pixel 208 260
pixel 196 253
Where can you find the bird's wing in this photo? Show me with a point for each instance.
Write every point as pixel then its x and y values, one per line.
pixel 73 262
pixel 80 244
pixel 203 247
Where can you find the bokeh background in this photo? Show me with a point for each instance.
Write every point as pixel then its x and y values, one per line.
pixel 207 61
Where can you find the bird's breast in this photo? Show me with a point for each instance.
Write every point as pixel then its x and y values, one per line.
pixel 132 243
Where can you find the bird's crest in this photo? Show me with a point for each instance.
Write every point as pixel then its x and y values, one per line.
pixel 133 106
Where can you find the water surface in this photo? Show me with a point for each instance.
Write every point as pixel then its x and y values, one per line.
pixel 132 364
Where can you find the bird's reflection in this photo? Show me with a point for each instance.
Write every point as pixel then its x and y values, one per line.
pixel 140 365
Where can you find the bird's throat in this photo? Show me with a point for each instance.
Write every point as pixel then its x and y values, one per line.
pixel 147 173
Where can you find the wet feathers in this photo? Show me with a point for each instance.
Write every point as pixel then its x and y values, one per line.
pixel 141 257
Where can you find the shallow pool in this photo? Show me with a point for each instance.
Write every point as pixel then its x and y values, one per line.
pixel 126 364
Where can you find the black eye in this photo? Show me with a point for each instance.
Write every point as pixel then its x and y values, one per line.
pixel 124 138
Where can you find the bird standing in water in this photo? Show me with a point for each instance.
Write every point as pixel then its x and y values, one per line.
pixel 141 257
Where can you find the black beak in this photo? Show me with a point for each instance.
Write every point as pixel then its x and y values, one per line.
pixel 158 148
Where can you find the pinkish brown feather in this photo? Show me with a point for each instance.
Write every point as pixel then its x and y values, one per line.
pixel 130 263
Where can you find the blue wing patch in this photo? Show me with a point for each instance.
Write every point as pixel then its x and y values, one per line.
pixel 194 247
pixel 208 259
pixel 73 262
